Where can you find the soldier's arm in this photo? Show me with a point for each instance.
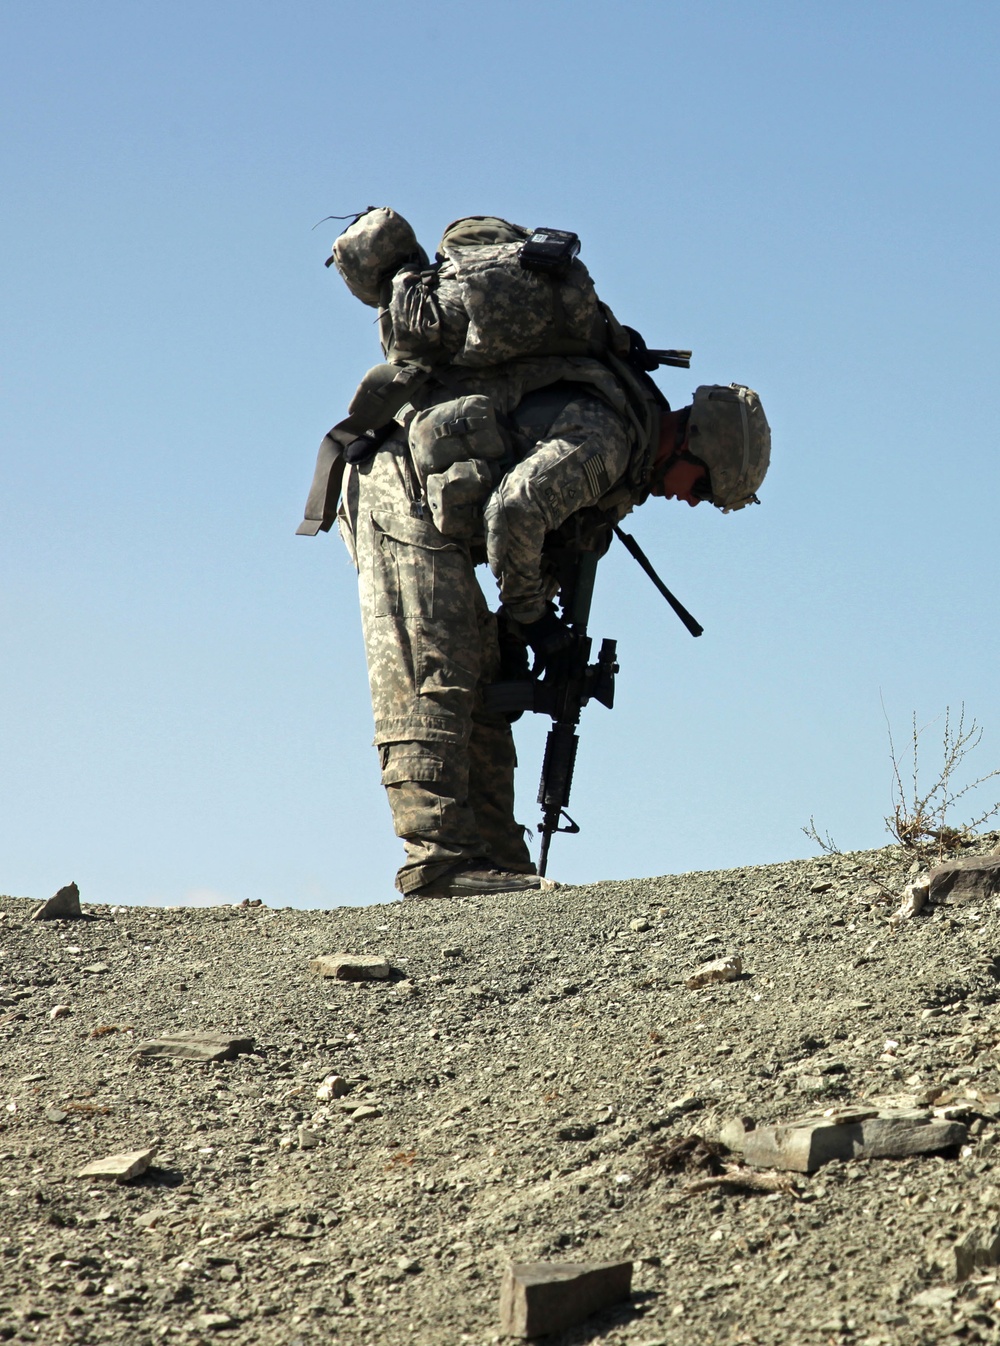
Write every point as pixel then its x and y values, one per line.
pixel 565 472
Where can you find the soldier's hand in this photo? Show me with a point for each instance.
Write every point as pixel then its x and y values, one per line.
pixel 548 637
pixel 513 650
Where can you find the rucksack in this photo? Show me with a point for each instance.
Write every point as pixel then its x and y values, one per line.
pixel 498 296
pixel 486 304
pixel 495 292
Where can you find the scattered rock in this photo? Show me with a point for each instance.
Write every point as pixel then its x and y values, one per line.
pixel 685 1104
pixel 720 969
pixel 915 897
pixel 934 1298
pixel 577 1131
pixel 123 1167
pixel 821 886
pixel 733 1132
pixel 64 906
pixel 308 1139
pixel 351 966
pixel 96 969
pixel 640 925
pixel 452 951
pixel 194 1047
pixel 334 1086
pixel 976 879
pixel 215 1322
pixel 892 1134
pixel 359 1112
pixel 60 1012
pixel 537 1298
pixel 55 1114
pixel 979 1249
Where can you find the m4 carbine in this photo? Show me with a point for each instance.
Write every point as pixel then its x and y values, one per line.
pixel 569 681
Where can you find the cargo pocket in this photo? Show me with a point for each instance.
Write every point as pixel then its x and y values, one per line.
pixel 404 762
pixel 415 568
pixel 424 590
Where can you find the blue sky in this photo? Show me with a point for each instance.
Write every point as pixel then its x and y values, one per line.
pixel 804 194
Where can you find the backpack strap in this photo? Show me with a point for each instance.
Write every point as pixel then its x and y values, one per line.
pixel 383 391
pixel 348 442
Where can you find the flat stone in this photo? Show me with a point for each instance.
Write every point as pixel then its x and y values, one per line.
pixel 719 970
pixel 55 1115
pixel 215 1322
pixel 96 969
pixel 64 906
pixel 351 966
pixel 195 1047
pixel 364 1113
pixel 934 1298
pixel 123 1167
pixel 979 1249
pixel 686 1103
pixel 975 879
pixel 537 1298
pixel 803 1147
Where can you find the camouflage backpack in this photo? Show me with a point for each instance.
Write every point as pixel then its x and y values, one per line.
pixel 496 291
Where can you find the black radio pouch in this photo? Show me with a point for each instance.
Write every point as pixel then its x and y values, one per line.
pixel 549 250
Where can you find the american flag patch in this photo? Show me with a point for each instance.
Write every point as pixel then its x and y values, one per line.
pixel 597 475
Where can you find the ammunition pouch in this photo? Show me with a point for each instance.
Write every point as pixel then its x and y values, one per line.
pixel 455 498
pixel 458 431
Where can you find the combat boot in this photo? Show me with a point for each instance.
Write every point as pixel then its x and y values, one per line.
pixel 472 880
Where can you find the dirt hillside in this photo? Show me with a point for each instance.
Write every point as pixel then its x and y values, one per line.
pixel 517 1090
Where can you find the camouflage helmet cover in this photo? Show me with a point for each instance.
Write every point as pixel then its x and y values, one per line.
pixel 729 433
pixel 371 251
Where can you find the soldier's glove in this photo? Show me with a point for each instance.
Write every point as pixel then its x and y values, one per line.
pixel 548 637
pixel 513 650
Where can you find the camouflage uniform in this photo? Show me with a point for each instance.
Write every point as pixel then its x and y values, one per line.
pixel 431 642
pixel 577 452
pixel 581 434
pixel 447 766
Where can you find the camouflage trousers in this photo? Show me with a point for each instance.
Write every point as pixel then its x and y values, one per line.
pixel 431 644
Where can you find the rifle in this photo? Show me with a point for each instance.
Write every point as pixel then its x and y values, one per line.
pixel 570 681
pixel 565 687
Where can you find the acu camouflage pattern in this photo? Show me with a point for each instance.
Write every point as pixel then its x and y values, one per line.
pixel 728 431
pixel 578 456
pixel 372 249
pixel 431 643
pixel 479 307
pixel 583 436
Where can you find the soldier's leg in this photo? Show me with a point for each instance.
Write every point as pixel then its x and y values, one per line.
pixel 419 616
pixel 492 760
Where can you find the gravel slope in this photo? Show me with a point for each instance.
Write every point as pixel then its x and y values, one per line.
pixel 527 1062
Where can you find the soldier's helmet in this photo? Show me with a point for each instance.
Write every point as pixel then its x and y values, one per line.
pixel 729 433
pixel 372 249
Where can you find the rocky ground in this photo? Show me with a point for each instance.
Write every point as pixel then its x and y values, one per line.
pixel 525 1075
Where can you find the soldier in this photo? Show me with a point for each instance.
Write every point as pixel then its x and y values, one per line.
pixel 538 447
